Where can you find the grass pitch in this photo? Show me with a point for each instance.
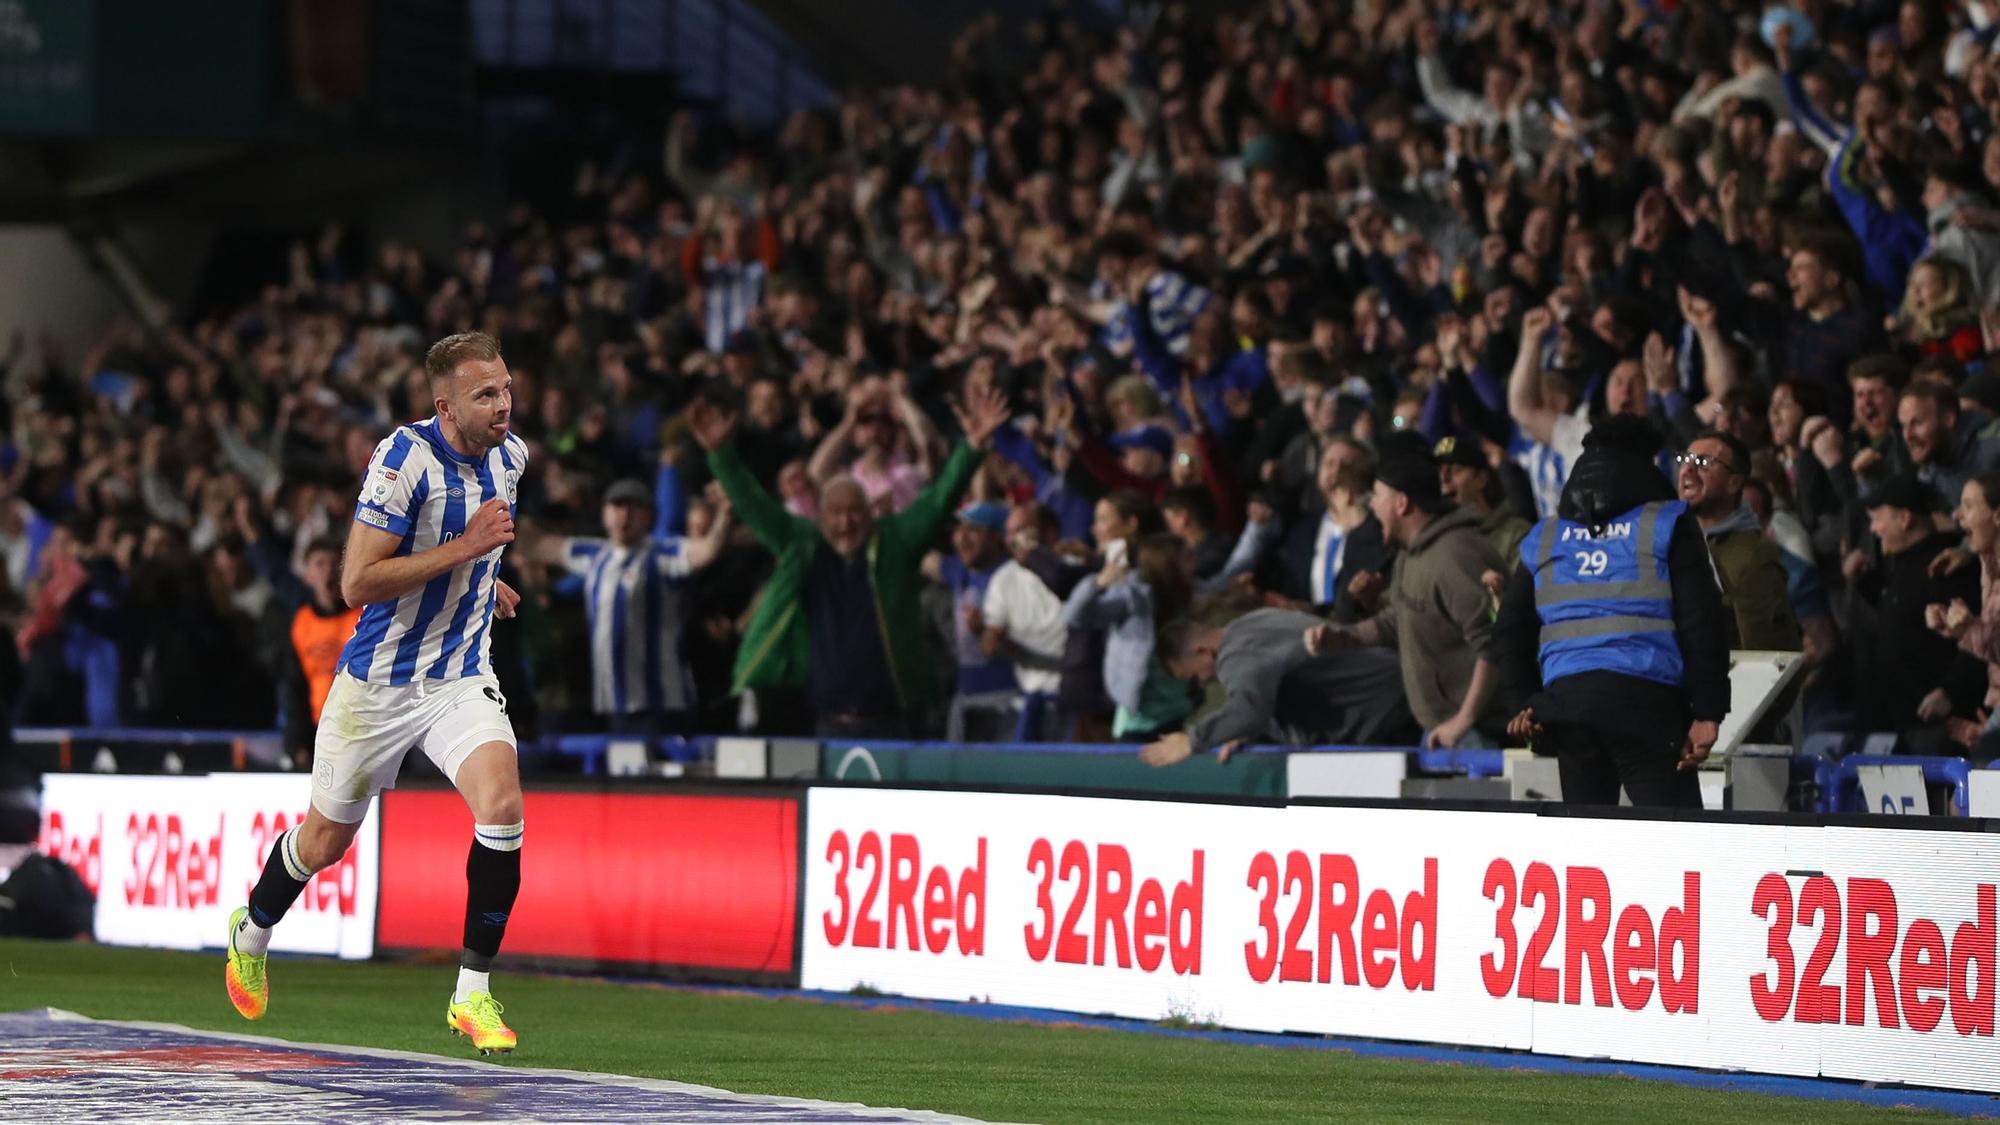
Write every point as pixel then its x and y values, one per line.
pixel 915 1059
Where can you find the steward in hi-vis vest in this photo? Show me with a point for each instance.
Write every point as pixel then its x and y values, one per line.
pixel 1612 639
pixel 1603 595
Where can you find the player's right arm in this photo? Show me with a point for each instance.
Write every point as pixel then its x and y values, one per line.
pixel 386 512
pixel 370 574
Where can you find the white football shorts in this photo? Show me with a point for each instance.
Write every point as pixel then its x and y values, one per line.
pixel 365 729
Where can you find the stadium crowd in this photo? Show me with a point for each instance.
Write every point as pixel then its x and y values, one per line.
pixel 1268 301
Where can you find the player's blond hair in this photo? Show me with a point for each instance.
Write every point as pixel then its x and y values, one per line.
pixel 445 356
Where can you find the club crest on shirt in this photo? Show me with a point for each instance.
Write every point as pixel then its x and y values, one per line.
pixel 513 480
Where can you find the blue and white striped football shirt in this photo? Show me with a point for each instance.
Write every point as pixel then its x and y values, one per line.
pixel 421 489
pixel 1172 301
pixel 730 292
pixel 1548 465
pixel 637 612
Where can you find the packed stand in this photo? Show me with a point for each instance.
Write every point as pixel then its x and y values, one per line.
pixel 1010 408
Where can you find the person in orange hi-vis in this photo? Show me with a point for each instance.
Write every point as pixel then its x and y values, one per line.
pixel 318 631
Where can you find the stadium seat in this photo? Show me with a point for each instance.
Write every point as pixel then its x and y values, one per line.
pixel 1878 743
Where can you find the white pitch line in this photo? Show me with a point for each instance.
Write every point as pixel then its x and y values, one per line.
pixel 662 1085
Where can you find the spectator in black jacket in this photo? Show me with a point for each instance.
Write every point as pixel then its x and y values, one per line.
pixel 769 435
pixel 1190 516
pixel 1827 328
pixel 1915 679
pixel 1808 480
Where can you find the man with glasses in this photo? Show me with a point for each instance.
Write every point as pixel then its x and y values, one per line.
pixel 1611 637
pixel 1709 479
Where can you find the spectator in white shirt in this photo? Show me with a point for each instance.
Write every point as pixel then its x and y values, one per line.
pixel 1023 613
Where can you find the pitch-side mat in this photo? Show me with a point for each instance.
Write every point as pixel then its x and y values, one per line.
pixel 57 1066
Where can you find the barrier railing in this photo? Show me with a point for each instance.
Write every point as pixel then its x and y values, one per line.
pixel 1955 772
pixel 1822 782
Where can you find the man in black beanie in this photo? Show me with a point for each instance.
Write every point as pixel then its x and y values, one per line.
pixel 1437 614
pixel 1612 638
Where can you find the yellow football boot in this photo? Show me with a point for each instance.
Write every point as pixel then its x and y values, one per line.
pixel 243 975
pixel 478 1019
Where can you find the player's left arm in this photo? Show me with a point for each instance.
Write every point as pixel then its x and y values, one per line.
pixel 506 599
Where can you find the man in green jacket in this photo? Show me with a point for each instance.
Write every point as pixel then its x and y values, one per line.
pixel 839 617
pixel 1752 572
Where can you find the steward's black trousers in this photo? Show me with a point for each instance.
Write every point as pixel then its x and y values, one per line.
pixel 1608 730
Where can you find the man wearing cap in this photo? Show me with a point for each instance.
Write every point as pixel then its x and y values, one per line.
pixel 1467 479
pixel 1980 394
pixel 1915 679
pixel 1612 634
pixel 986 682
pixel 1286 278
pixel 1437 613
pixel 635 601
pixel 839 617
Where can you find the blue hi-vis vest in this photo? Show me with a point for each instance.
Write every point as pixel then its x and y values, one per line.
pixel 1605 600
